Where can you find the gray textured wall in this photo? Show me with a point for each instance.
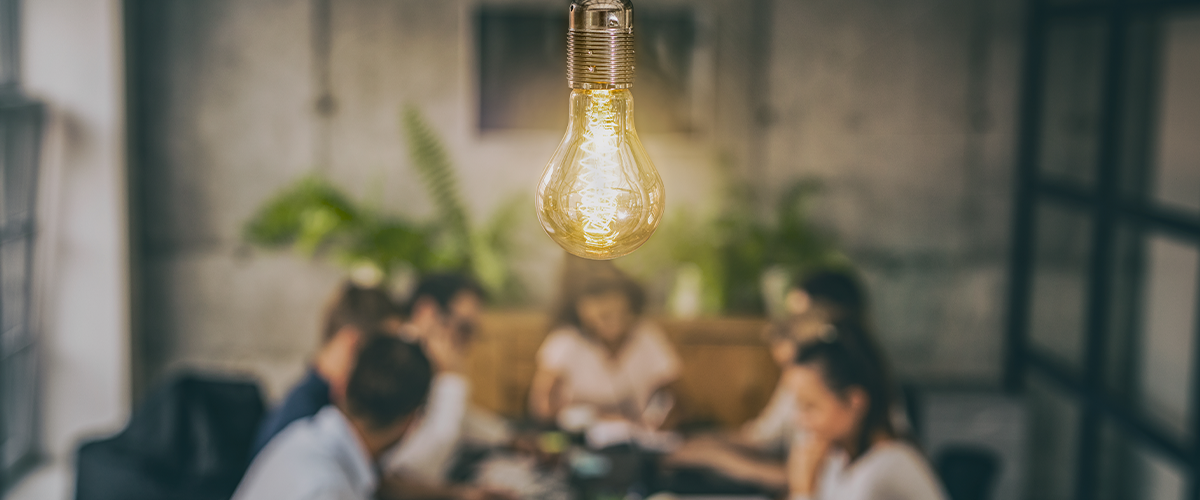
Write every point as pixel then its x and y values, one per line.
pixel 905 108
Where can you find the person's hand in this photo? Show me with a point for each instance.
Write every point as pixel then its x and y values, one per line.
pixel 447 355
pixel 804 464
pixel 701 452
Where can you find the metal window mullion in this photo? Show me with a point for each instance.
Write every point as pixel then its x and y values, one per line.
pixel 1103 251
pixel 1130 422
pixel 1160 218
pixel 1024 215
pixel 1194 467
pixel 1088 9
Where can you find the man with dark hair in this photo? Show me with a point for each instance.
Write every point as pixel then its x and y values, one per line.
pixel 333 454
pixel 443 314
pixel 354 311
pixel 442 290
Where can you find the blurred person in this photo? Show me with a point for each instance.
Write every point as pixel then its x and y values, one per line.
pixel 838 291
pixel 755 453
pixel 352 311
pixel 443 315
pixel 602 361
pixel 824 296
pixel 849 449
pixel 332 455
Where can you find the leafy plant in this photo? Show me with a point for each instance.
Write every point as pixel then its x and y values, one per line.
pixel 313 217
pixel 734 250
pixel 750 245
pixel 485 250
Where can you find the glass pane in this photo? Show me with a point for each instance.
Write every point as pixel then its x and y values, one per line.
pixel 19 406
pixel 1168 330
pixel 1071 100
pixel 1060 282
pixel 14 289
pixel 10 19
pixel 19 157
pixel 1177 173
pixel 1054 421
pixel 1129 470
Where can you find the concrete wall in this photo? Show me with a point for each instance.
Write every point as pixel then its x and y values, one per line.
pixel 228 115
pixel 907 111
pixel 904 108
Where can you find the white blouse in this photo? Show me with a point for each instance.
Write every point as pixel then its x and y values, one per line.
pixel 644 364
pixel 888 471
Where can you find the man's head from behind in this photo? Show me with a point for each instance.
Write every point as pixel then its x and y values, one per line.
pixel 357 308
pixel 390 381
pixel 446 300
pixel 354 314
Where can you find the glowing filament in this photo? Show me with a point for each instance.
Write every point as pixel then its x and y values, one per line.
pixel 600 173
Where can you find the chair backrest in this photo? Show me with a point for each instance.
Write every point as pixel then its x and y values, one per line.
pixel 968 472
pixel 192 434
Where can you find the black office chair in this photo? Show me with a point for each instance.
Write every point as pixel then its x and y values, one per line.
pixel 189 440
pixel 968 472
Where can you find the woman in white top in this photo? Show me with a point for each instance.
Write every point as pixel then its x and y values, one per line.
pixel 849 449
pixel 755 453
pixel 602 357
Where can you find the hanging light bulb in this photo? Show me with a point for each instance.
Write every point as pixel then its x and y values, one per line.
pixel 600 196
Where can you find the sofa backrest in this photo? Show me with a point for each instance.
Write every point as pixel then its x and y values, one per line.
pixel 728 373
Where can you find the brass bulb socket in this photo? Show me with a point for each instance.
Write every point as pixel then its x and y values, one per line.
pixel 600 45
pixel 600 59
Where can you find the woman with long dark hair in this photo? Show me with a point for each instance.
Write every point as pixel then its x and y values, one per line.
pixel 850 449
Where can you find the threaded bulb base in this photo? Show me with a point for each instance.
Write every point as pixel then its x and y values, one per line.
pixel 600 59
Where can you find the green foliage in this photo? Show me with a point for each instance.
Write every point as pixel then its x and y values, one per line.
pixel 483 251
pixel 432 162
pixel 314 218
pixel 735 249
pixel 751 244
pixel 306 214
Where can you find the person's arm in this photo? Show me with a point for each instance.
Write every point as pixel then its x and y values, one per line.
pixel 543 398
pixel 804 466
pixel 427 450
pixel 712 453
pixel 303 401
pixel 545 393
pixel 770 430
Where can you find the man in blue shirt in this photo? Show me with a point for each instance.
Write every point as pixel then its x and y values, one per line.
pixel 332 455
pixel 354 311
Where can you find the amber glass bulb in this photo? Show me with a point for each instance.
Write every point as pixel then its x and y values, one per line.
pixel 600 197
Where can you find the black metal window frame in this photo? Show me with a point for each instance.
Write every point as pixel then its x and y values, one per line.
pixel 1108 207
pixel 20 384
pixel 21 120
